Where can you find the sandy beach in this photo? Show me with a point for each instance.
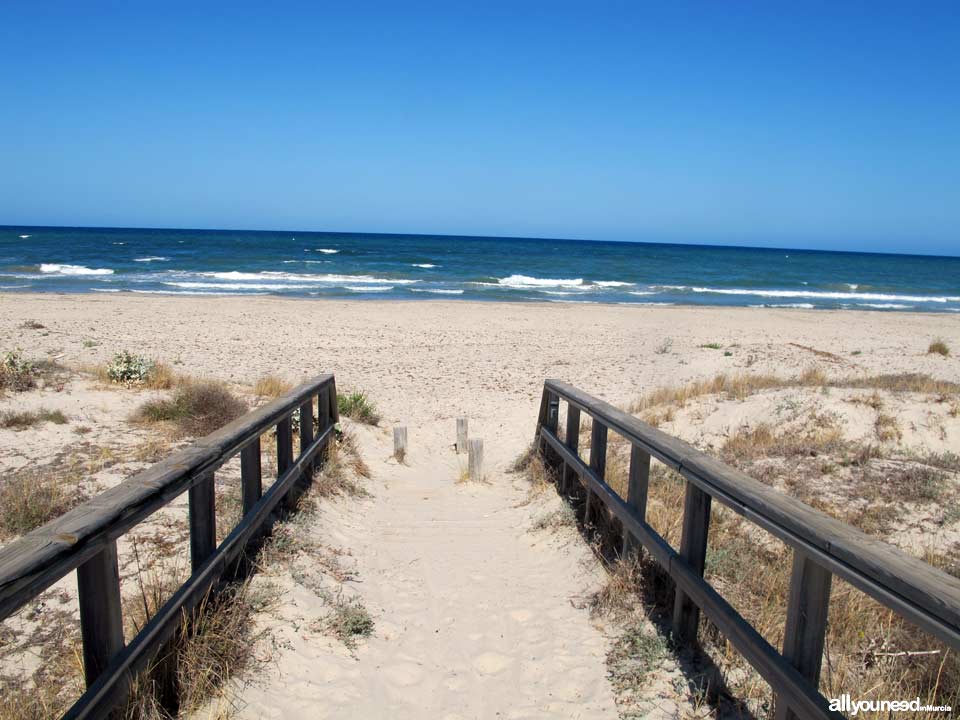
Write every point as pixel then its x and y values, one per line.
pixel 476 614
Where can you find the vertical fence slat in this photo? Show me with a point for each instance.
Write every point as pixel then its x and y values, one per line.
pixel 572 440
pixel 203 520
pixel 637 486
pixel 284 446
pixel 306 430
pixel 693 551
pixel 462 434
pixel 807 609
pixel 101 617
pixel 598 461
pixel 251 479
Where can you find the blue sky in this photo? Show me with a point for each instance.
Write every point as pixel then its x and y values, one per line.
pixel 799 124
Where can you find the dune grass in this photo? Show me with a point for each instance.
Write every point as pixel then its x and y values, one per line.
pixel 271 386
pixel 23 419
pixel 29 499
pixel 196 408
pixel 938 347
pixel 357 406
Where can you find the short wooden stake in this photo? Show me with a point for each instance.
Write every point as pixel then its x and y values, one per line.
pixel 461 435
pixel 475 459
pixel 400 443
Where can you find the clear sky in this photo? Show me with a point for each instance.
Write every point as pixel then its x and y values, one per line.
pixel 802 124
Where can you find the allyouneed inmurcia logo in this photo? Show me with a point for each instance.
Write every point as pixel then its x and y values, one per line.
pixel 852 707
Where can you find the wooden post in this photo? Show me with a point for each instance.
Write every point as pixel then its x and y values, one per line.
pixel 807 609
pixel 203 521
pixel 693 551
pixel 572 441
pixel 598 461
pixel 461 435
pixel 306 431
pixel 101 618
pixel 475 459
pixel 325 399
pixel 551 457
pixel 400 443
pixel 637 487
pixel 251 483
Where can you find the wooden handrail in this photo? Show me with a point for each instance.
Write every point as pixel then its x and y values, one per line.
pixel 85 537
pixel 823 547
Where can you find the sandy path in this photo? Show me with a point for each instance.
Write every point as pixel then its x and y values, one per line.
pixel 476 616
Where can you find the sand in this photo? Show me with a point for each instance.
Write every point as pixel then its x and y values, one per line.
pixel 476 615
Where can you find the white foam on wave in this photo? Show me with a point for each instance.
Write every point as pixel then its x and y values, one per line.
pixel 427 266
pixel 825 295
pixel 58 269
pixel 306 262
pixel 527 282
pixel 885 306
pixel 798 306
pixel 368 289
pixel 612 283
pixel 642 292
pixel 236 286
pixel 23 237
pixel 152 258
pixel 437 291
pixel 14 287
pixel 105 289
pixel 275 276
pixel 327 251
pixel 193 292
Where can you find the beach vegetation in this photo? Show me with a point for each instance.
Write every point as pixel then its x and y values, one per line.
pixel 938 347
pixel 342 469
pixel 32 325
pixel 196 408
pixel 349 620
pixel 21 420
pixel 28 499
pixel 271 386
pixel 357 406
pixel 17 373
pixel 664 347
pixel 712 346
pixel 126 368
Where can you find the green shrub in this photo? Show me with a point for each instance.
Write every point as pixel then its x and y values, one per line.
pixel 129 369
pixel 357 406
pixel 938 347
pixel 16 373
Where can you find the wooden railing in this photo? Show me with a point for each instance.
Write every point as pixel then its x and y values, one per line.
pixel 822 547
pixel 85 538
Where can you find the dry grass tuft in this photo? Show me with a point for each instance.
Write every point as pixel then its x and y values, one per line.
pixel 196 408
pixel 271 386
pixel 343 466
pixel 30 499
pixel 938 347
pixel 25 419
pixel 348 621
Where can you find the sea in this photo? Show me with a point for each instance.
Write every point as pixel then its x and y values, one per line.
pixel 425 267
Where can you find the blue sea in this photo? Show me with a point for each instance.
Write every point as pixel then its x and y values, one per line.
pixel 422 267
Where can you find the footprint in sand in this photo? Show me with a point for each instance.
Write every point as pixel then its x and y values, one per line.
pixel 490 663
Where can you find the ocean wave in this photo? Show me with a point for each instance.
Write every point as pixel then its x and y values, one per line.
pixel 23 237
pixel 105 289
pixel 152 258
pixel 235 286
pixel 58 269
pixel 368 289
pixel 273 275
pixel 193 292
pixel 327 251
pixel 642 292
pixel 305 262
pixel 825 295
pixel 423 265
pixel 14 287
pixel 436 291
pixel 885 306
pixel 527 282
pixel 612 283
pixel 798 306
